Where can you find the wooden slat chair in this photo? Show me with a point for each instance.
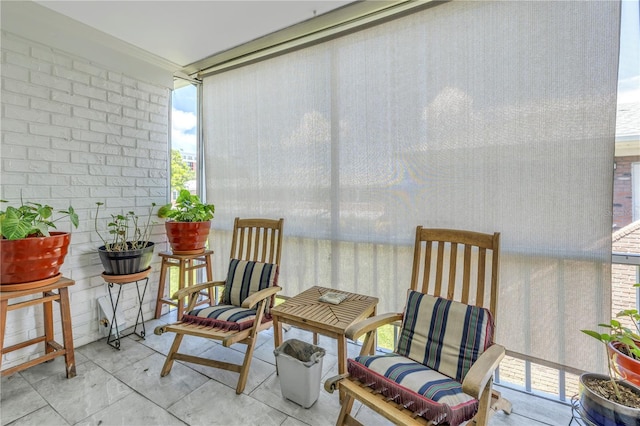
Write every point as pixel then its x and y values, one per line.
pixel 248 293
pixel 441 370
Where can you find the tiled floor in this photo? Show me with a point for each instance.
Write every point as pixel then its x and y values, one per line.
pixel 125 388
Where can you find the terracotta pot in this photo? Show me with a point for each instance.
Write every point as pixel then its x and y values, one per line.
pixel 628 367
pixel 187 237
pixel 603 412
pixel 32 258
pixel 126 262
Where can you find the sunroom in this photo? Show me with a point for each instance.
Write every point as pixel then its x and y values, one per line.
pixel 355 122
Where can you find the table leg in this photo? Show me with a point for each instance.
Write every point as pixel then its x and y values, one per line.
pixel 342 354
pixel 3 323
pixel 213 293
pixel 181 284
pixel 161 289
pixel 277 336
pixel 277 332
pixel 375 335
pixel 47 308
pixel 67 336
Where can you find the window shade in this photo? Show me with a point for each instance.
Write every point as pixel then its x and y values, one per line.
pixel 487 116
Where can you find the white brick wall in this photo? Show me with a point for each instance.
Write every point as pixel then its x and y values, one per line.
pixel 74 133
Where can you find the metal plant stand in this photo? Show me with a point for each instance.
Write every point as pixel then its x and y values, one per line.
pixel 578 415
pixel 114 336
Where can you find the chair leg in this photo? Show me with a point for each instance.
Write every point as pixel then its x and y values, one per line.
pixel 345 411
pixel 168 363
pixel 484 406
pixel 244 371
pixel 499 403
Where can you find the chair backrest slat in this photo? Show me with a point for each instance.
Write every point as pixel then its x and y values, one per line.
pixel 426 267
pixel 482 260
pixel 453 259
pixel 439 266
pixel 469 261
pixel 258 240
pixel 466 280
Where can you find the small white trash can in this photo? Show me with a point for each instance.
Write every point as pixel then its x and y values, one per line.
pixel 300 370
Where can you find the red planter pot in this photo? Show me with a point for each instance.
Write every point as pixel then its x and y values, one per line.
pixel 629 368
pixel 33 258
pixel 187 237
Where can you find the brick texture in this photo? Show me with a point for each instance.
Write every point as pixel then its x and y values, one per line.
pixel 623 202
pixel 75 133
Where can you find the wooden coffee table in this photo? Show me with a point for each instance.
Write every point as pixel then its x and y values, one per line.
pixel 307 312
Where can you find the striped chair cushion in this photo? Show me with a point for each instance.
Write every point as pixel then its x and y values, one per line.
pixel 420 389
pixel 225 317
pixel 243 279
pixel 444 335
pixel 247 277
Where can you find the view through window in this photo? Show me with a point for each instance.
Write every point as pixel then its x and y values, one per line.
pixel 184 147
pixel 184 139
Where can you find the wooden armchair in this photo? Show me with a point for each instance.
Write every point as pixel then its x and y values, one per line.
pixel 441 370
pixel 248 293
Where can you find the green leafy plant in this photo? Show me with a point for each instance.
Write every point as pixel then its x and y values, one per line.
pixel 619 333
pixel 32 220
pixel 187 208
pixel 126 231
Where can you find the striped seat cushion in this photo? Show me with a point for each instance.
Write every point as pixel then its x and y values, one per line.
pixel 444 335
pixel 243 279
pixel 225 317
pixel 420 389
pixel 439 341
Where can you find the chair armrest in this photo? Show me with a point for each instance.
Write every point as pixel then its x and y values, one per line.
pixel 331 384
pixel 482 370
pixel 256 297
pixel 369 324
pixel 184 292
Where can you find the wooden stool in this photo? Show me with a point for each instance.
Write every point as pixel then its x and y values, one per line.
pixel 52 349
pixel 186 263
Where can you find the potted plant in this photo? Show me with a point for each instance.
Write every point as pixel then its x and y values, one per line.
pixel 623 349
pixel 612 399
pixel 30 253
pixel 128 249
pixel 189 223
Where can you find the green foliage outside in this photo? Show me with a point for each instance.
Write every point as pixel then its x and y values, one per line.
pixel 180 171
pixel 386 337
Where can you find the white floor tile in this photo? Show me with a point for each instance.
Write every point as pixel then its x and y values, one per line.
pixel 125 387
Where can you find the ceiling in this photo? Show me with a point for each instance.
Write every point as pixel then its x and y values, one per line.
pixel 184 32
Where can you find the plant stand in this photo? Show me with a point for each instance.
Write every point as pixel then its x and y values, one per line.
pixel 186 263
pixel 577 414
pixel 114 336
pixel 52 349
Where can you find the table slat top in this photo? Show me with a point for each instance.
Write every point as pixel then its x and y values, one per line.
pixel 306 307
